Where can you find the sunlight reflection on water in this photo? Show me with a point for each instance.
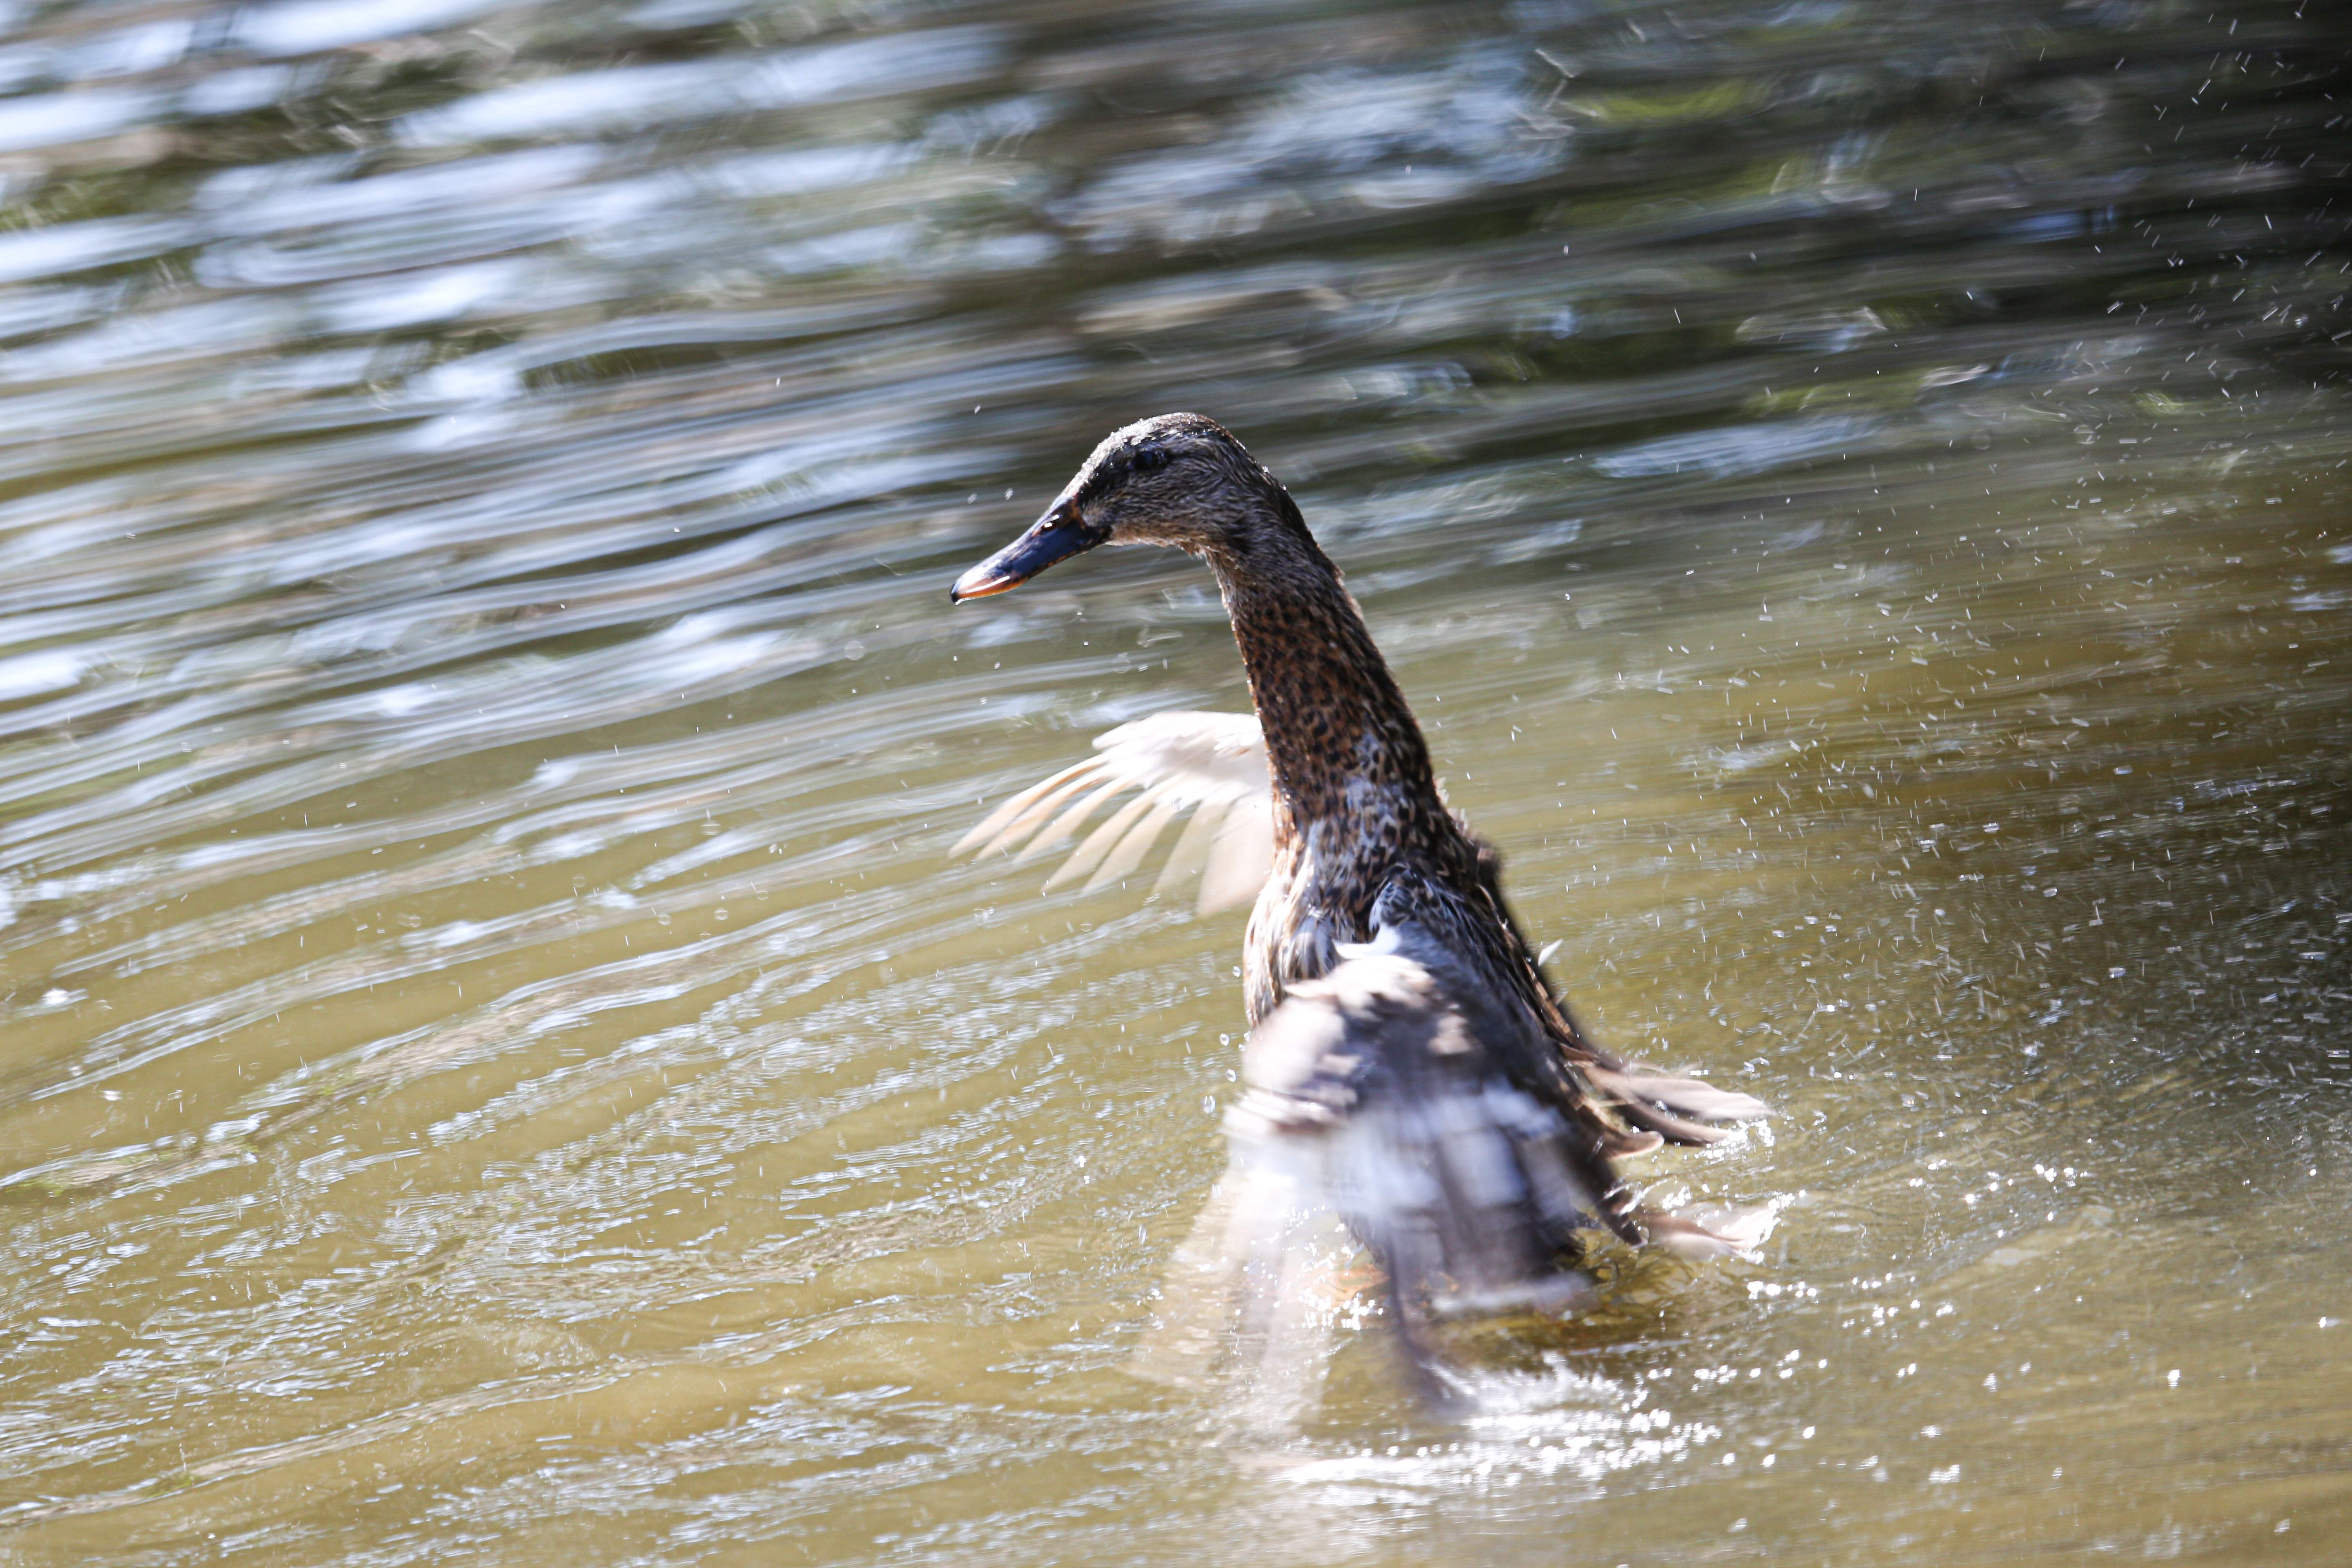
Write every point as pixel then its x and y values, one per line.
pixel 500 1068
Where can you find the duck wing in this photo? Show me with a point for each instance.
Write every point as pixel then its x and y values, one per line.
pixel 1387 1108
pixel 1210 765
pixel 1408 1103
pixel 1399 1090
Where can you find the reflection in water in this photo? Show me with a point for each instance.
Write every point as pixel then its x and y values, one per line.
pixel 500 1065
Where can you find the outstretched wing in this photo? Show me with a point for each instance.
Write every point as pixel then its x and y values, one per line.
pixel 1390 1103
pixel 1211 764
pixel 1377 1111
pixel 1466 1188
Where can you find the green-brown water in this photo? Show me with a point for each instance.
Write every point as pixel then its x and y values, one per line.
pixel 500 1069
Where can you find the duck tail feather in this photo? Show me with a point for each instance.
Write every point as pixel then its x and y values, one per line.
pixel 1670 1126
pixel 1627 1142
pixel 1683 1099
pixel 1698 1234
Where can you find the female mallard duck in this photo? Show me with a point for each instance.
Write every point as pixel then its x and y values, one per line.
pixel 1407 1061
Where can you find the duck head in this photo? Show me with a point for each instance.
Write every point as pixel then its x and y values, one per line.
pixel 1175 479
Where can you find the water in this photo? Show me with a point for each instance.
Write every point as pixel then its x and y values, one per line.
pixel 500 1069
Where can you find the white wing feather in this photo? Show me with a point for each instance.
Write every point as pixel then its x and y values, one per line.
pixel 1211 764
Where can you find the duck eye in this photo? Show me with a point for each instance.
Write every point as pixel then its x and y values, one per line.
pixel 1149 460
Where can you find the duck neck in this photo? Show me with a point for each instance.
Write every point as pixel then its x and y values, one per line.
pixel 1339 739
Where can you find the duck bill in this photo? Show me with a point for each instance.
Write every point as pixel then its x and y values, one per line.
pixel 1061 533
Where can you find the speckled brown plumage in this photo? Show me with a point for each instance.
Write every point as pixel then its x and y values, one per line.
pixel 1362 836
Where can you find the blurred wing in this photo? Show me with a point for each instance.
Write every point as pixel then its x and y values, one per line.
pixel 1373 1113
pixel 1385 1109
pixel 1211 764
pixel 1465 1187
pixel 1254 1299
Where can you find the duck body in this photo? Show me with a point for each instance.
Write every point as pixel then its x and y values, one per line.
pixel 1364 843
pixel 1402 1026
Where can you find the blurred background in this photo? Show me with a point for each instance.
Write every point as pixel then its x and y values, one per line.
pixel 498 1067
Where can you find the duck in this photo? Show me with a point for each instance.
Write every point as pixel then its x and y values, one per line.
pixel 1409 1066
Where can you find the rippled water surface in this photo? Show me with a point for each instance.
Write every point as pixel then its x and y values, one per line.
pixel 499 1068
